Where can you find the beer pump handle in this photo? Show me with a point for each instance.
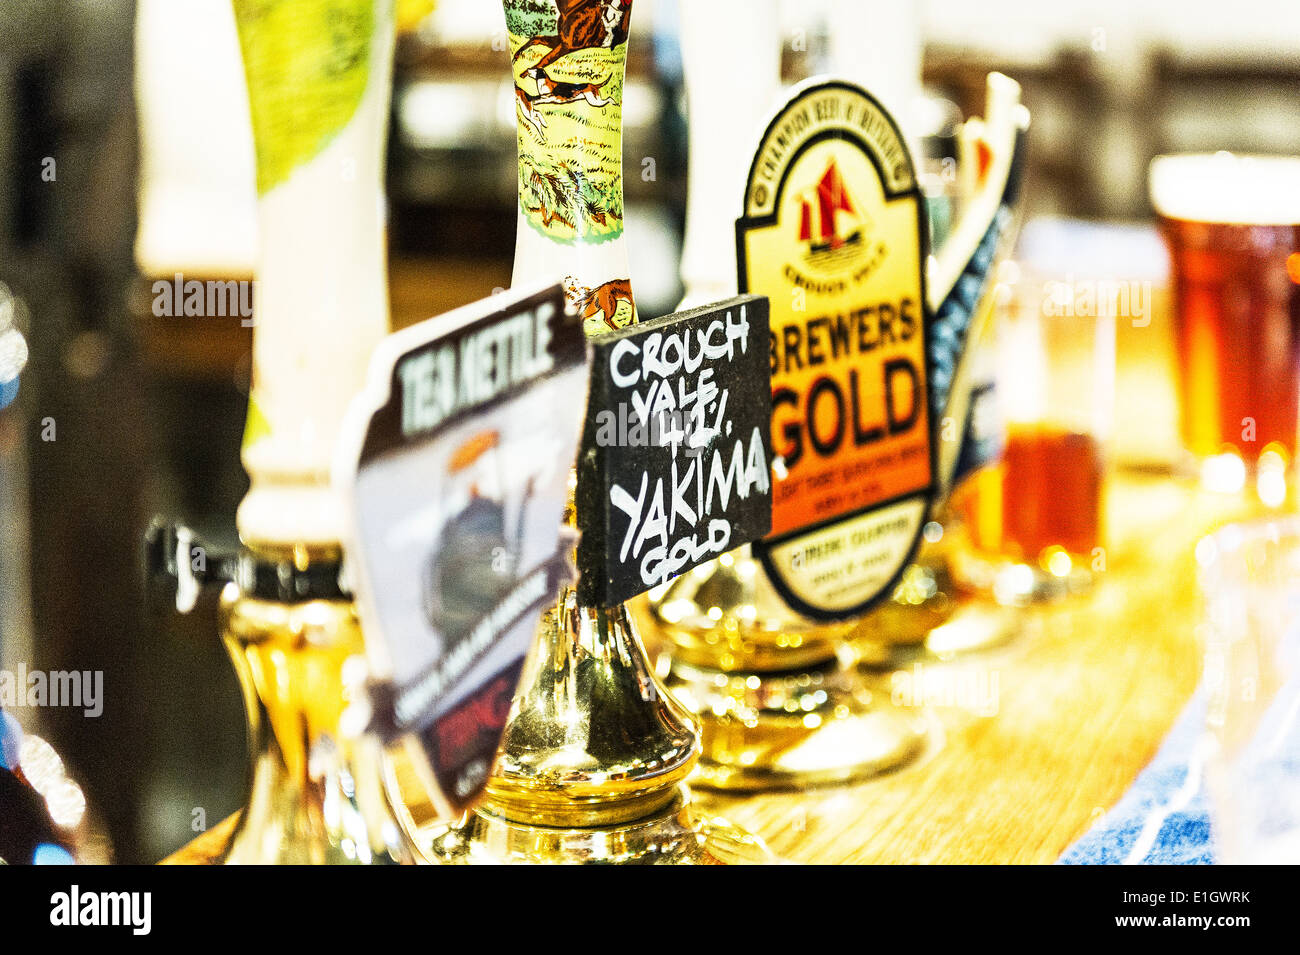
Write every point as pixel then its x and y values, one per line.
pixel 320 127
pixel 879 46
pixel 731 52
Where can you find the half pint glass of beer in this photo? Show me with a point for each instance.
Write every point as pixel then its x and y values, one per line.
pixel 1232 225
pixel 1033 521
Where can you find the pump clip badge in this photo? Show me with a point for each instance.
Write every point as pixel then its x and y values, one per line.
pixel 833 234
pixel 455 467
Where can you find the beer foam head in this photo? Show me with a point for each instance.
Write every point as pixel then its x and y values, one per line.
pixel 1227 188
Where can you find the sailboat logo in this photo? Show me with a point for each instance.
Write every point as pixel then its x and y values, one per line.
pixel 830 221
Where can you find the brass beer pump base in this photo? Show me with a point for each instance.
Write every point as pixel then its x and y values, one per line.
pixel 820 723
pixel 676 834
pixel 815 727
pixel 316 795
pixel 593 762
pixel 929 615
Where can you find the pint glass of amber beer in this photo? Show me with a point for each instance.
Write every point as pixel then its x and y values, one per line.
pixel 1232 225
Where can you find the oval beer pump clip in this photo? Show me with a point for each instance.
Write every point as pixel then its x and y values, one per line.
pixel 453 478
pixel 927 610
pixel 963 272
pixel 595 753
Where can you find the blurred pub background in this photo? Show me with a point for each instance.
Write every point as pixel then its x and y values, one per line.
pixel 125 156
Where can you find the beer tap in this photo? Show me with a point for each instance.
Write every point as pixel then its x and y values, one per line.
pixel 596 752
pixel 778 706
pixel 319 84
pixel 774 680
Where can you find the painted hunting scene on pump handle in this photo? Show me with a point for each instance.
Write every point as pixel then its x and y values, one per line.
pixel 567 59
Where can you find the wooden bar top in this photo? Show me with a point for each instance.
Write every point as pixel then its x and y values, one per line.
pixel 1043 734
pixel 1085 693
